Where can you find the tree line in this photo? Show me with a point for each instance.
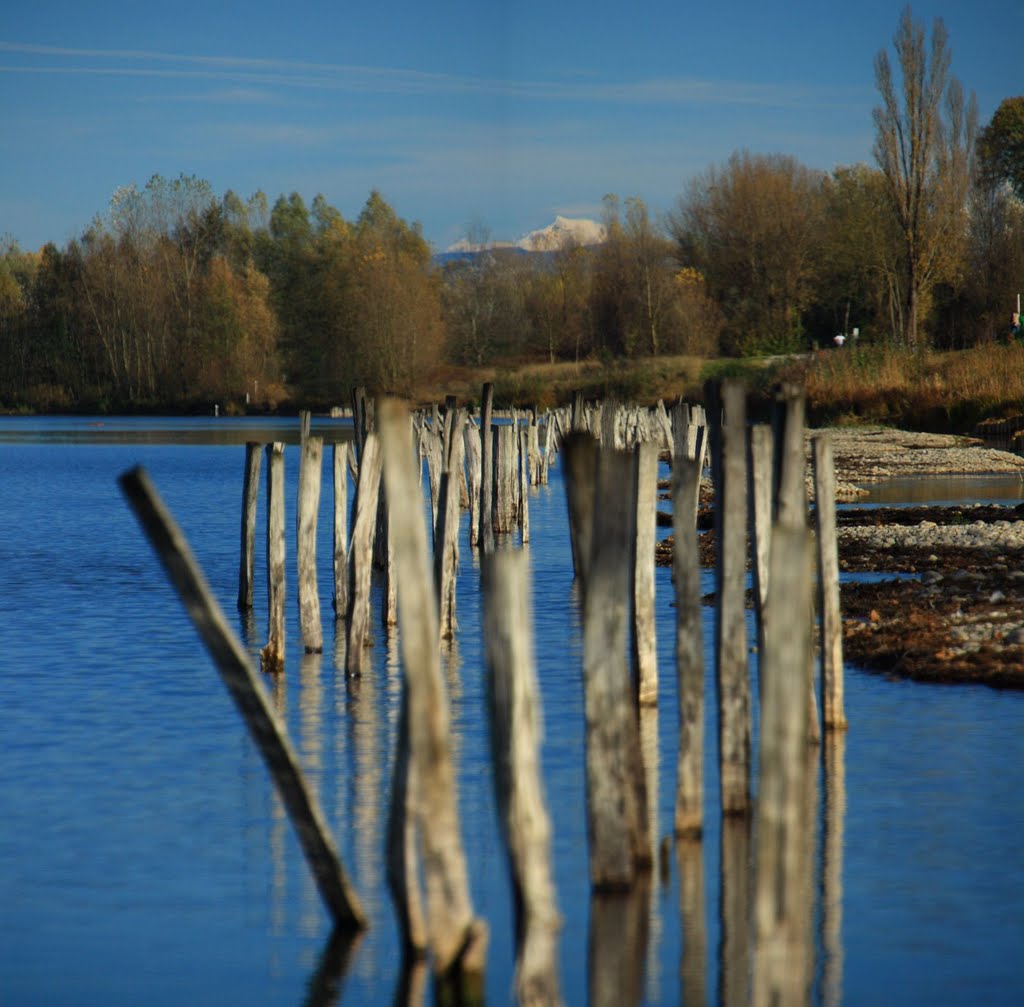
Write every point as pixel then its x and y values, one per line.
pixel 176 297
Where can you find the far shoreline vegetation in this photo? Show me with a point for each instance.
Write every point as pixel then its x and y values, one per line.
pixel 177 300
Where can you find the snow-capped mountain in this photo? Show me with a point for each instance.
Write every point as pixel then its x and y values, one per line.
pixel 564 230
pixel 556 235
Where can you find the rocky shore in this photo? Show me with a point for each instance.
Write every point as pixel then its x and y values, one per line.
pixel 933 593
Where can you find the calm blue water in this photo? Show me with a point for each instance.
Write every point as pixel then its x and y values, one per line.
pixel 145 858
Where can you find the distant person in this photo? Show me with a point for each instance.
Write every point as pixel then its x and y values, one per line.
pixel 1016 329
pixel 839 340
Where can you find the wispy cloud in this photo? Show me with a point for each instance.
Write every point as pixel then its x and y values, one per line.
pixel 392 80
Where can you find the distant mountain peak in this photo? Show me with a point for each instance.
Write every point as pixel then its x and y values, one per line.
pixel 559 233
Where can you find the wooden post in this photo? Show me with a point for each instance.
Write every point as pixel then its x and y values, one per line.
pixel 782 966
pixel 761 478
pixel 307 509
pixel 361 555
pixel 734 717
pixel 266 730
pixel 446 540
pixel 359 427
pixel 689 810
pixel 339 451
pixel 791 507
pixel 515 719
pixel 524 483
pixel 250 496
pixel 272 655
pixel 834 716
pixel 580 488
pixel 578 419
pixel 616 790
pixel 486 536
pixel 471 442
pixel 505 478
pixel 457 939
pixel 644 525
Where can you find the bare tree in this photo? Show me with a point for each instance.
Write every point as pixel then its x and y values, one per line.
pixel 924 144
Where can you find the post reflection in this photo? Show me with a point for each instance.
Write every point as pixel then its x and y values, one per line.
pixel 311 753
pixel 649 754
pixel 734 909
pixel 834 756
pixel 617 945
pixel 278 824
pixel 693 967
pixel 325 984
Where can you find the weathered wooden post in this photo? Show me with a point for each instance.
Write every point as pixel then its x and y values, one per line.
pixel 446 539
pixel 307 509
pixel 834 716
pixel 782 961
pixel 272 655
pixel 616 791
pixel 734 716
pixel 361 554
pixel 457 939
pixel 237 673
pixel 359 421
pixel 644 528
pixel 791 506
pixel 250 496
pixel 689 810
pixel 580 488
pixel 515 720
pixel 505 479
pixel 761 479
pixel 471 443
pixel 486 536
pixel 339 452
pixel 524 484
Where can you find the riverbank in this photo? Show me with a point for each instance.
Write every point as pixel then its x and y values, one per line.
pixel 946 602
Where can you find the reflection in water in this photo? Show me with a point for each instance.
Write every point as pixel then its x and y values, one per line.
pixel 325 984
pixel 278 826
pixel 734 910
pixel 451 668
pixel 649 754
pixel 832 868
pixel 617 946
pixel 411 990
pixel 693 967
pixel 311 754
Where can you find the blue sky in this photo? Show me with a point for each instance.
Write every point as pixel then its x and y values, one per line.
pixel 460 113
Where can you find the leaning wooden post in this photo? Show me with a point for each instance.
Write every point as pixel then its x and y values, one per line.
pixel 486 535
pixel 617 823
pixel 458 940
pixel 359 420
pixel 644 528
pixel 250 497
pixel 834 716
pixel 339 452
pixel 734 716
pixel 689 810
pixel 307 509
pixel 361 555
pixel 515 720
pixel 782 960
pixel 236 671
pixel 272 655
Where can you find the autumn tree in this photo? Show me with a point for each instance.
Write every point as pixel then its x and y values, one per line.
pixel 924 145
pixel 1001 146
pixel 752 229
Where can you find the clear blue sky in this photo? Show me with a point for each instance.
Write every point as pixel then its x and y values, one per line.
pixel 500 114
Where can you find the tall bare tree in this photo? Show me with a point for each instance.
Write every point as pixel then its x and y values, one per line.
pixel 924 145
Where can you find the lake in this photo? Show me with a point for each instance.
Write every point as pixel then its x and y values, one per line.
pixel 145 858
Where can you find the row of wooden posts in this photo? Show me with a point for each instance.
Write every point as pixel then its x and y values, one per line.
pixel 611 459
